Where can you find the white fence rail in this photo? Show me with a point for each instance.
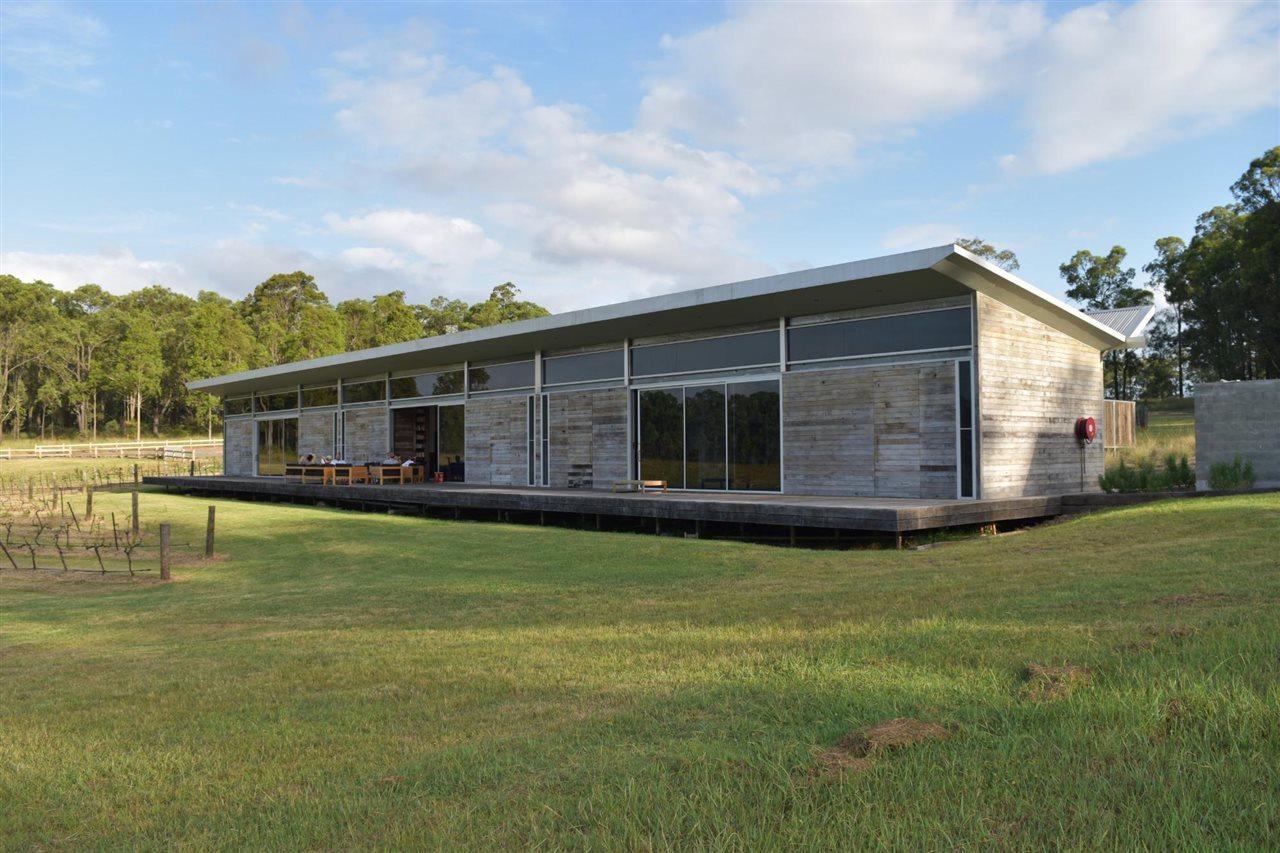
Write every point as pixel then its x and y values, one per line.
pixel 191 449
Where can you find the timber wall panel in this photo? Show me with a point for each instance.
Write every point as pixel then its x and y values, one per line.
pixel 884 431
pixel 497 440
pixel 237 437
pixel 588 438
pixel 1033 383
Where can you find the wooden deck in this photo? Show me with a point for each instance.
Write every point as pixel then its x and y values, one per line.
pixel 880 515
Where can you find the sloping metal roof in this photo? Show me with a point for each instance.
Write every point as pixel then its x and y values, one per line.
pixel 1130 322
pixel 934 273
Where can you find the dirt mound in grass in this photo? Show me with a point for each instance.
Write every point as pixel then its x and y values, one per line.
pixel 1053 682
pixel 855 750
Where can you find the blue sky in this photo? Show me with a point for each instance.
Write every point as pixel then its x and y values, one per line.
pixel 595 152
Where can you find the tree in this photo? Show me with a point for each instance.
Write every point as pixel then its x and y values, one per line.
pixel 27 314
pixel 1257 195
pixel 385 319
pixel 441 316
pixel 1002 258
pixel 1166 274
pixel 214 341
pixel 292 318
pixel 134 367
pixel 1101 282
pixel 502 306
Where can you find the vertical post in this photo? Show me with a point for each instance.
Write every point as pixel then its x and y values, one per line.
pixel 135 473
pixel 208 533
pixel 193 466
pixel 134 493
pixel 31 489
pixel 164 552
pixel 88 501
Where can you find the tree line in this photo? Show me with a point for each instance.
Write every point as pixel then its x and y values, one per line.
pixel 1222 289
pixel 91 364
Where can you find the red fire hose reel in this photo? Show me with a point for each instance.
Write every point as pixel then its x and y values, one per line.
pixel 1086 430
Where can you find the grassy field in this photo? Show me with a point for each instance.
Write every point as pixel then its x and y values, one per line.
pixel 343 680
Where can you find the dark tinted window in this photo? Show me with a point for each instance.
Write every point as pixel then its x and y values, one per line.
pixel 500 377
pixel 662 436
pixel 749 350
pixel 364 392
pixel 704 437
pixel 964 385
pixel 238 405
pixel 903 333
pixel 276 402
pixel 325 396
pixel 586 367
pixel 453 420
pixel 427 384
pixel 755 445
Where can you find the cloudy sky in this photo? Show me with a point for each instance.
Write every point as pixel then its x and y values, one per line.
pixel 592 152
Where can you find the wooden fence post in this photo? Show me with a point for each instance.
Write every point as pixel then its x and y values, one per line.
pixel 88 502
pixel 135 512
pixel 208 534
pixel 31 489
pixel 193 467
pixel 135 473
pixel 164 552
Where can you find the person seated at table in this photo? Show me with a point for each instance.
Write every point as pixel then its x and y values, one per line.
pixel 307 459
pixel 391 459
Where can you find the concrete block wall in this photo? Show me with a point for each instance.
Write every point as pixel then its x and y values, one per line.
pixel 1033 383
pixel 588 438
pixel 238 439
pixel 1239 418
pixel 878 431
pixel 315 433
pixel 365 434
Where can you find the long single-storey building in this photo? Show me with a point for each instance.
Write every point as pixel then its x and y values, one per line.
pixel 926 374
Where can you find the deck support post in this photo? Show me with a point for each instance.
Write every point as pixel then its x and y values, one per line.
pixel 898 541
pixel 792 535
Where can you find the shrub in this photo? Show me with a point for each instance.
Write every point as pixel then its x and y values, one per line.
pixel 1235 474
pixel 1176 474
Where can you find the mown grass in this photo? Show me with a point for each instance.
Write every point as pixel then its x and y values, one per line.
pixel 345 680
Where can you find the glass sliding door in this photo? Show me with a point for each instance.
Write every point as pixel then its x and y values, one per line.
pixel 704 437
pixel 662 436
pixel 453 442
pixel 755 437
pixel 277 446
pixel 712 437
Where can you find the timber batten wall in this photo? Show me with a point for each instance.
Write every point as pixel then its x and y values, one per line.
pixel 1033 383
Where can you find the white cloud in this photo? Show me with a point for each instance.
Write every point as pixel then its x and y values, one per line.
pixel 118 270
pixel 1120 80
pixel 807 83
pixel 564 194
pixel 438 239
pixel 920 236
pixel 48 45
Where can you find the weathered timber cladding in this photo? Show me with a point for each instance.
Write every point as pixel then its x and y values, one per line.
pixel 238 437
pixel 588 438
pixel 365 437
pixel 315 433
pixel 497 441
pixel 1033 383
pixel 885 431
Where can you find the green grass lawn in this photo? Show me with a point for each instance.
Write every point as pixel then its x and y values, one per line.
pixel 344 680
